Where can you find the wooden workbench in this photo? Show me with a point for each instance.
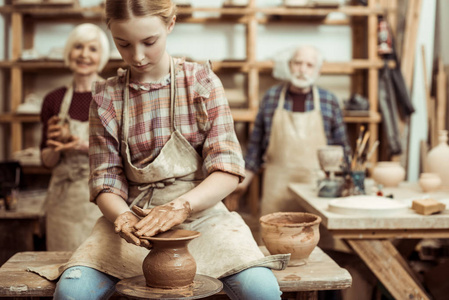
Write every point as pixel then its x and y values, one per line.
pixel 320 273
pixel 19 227
pixel 370 236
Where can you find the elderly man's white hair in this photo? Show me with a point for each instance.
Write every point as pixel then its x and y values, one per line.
pixel 281 70
pixel 85 33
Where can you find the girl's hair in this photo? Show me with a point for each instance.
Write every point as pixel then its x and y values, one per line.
pixel 85 33
pixel 121 10
pixel 281 70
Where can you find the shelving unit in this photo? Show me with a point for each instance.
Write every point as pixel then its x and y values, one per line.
pixel 363 68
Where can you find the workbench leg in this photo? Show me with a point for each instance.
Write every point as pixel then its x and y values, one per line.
pixel 389 267
pixel 307 295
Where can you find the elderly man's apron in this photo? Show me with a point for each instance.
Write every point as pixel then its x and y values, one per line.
pixel 70 215
pixel 226 245
pixel 292 153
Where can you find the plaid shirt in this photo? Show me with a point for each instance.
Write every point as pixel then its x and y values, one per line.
pixel 202 116
pixel 334 126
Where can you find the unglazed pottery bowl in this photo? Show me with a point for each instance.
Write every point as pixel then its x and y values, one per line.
pixel 388 173
pixel 169 265
pixel 296 233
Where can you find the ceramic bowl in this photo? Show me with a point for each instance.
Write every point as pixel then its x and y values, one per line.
pixel 296 233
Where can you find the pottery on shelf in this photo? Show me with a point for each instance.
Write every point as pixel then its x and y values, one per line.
pixel 388 173
pixel 169 264
pixel 438 159
pixel 296 233
pixel 429 182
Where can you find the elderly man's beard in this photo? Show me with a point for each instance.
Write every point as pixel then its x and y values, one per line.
pixel 302 81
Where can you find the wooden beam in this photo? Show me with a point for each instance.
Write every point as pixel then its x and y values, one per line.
pixel 384 260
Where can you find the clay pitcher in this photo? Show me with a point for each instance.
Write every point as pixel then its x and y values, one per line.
pixel 169 265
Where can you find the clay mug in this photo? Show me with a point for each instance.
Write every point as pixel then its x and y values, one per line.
pixel 429 182
pixel 169 265
pixel 388 173
pixel 296 233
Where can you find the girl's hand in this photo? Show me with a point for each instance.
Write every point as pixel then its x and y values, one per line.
pixel 161 218
pixel 124 226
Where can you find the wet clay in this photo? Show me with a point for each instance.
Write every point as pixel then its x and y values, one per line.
pixel 291 232
pixel 169 264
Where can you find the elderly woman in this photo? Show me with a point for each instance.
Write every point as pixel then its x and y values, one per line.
pixel 65 135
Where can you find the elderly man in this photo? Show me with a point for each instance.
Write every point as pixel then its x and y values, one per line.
pixel 295 118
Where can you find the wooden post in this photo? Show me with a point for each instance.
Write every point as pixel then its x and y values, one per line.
pixel 16 79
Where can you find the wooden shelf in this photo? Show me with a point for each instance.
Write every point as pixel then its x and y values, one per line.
pixel 341 68
pixel 19 118
pixel 97 11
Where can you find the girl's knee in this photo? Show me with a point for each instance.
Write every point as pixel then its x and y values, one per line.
pixel 252 283
pixel 84 283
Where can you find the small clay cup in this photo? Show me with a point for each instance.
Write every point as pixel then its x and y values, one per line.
pixel 169 265
pixel 296 233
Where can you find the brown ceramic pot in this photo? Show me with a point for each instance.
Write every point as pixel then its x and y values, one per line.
pixel 169 265
pixel 291 232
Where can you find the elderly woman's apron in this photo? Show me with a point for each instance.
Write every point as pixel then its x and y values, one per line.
pixel 292 153
pixel 226 245
pixel 70 215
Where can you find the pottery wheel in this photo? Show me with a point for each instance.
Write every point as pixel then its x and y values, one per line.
pixel 136 288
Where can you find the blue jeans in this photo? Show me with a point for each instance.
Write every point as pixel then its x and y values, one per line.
pixel 86 283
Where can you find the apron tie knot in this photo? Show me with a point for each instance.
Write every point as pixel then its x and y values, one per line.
pixel 148 189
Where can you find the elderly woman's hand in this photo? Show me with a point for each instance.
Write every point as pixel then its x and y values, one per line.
pixel 124 226
pixel 161 218
pixel 57 131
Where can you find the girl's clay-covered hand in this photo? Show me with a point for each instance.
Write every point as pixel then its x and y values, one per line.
pixel 161 218
pixel 124 226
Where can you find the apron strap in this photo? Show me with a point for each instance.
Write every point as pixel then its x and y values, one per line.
pixel 66 102
pixel 172 94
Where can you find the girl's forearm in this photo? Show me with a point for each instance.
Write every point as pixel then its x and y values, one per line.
pixel 111 205
pixel 209 192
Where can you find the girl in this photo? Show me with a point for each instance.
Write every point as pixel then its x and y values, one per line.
pixel 162 142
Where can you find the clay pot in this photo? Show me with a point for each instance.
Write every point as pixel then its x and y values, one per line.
pixel 388 173
pixel 438 159
pixel 429 182
pixel 169 265
pixel 296 233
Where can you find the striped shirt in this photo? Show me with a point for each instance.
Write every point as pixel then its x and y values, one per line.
pixel 202 116
pixel 334 126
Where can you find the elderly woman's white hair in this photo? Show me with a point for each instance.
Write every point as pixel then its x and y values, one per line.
pixel 84 33
pixel 281 69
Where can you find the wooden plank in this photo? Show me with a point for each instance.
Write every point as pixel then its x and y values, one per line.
pixel 390 233
pixel 441 94
pixel 15 281
pixel 410 36
pixel 423 149
pixel 382 258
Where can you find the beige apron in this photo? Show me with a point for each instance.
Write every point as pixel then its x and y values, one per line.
pixel 292 153
pixel 70 216
pixel 226 245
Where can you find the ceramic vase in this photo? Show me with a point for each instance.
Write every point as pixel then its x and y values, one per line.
pixel 169 264
pixel 296 233
pixel 438 159
pixel 429 182
pixel 388 173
